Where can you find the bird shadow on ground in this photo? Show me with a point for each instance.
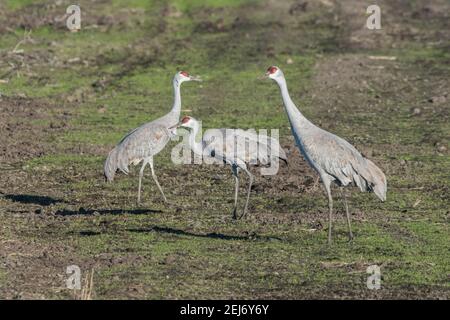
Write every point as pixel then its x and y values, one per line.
pixel 213 235
pixel 82 211
pixel 34 199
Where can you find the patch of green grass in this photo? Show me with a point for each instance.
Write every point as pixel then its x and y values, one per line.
pixel 190 5
pixel 18 4
pixel 64 82
pixel 58 160
pixel 292 264
pixel 143 4
pixel 433 58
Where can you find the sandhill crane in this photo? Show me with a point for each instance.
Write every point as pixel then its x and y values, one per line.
pixel 144 142
pixel 334 159
pixel 231 146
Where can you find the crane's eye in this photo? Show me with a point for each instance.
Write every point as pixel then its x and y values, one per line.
pixel 272 70
pixel 184 73
pixel 185 119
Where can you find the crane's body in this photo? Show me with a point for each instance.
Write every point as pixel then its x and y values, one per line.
pixel 231 146
pixel 144 142
pixel 334 159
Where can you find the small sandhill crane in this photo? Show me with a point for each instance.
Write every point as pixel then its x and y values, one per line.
pixel 334 159
pixel 231 146
pixel 144 142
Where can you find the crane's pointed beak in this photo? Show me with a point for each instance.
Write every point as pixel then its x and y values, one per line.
pixel 264 77
pixel 196 78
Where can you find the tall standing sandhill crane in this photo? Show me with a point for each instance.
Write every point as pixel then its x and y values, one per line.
pixel 334 159
pixel 230 146
pixel 144 142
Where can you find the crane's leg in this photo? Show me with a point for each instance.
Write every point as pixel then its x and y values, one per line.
pixel 236 189
pixel 141 174
pixel 350 234
pixel 150 161
pixel 250 176
pixel 314 186
pixel 327 185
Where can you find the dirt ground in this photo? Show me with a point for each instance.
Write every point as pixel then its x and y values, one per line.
pixel 65 103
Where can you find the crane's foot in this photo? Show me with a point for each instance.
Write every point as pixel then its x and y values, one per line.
pixel 350 238
pixel 243 215
pixel 314 186
pixel 330 242
pixel 234 214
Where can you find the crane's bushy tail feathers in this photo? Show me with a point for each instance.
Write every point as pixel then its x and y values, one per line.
pixel 284 160
pixel 367 176
pixel 110 166
pixel 283 155
pixel 117 160
pixel 378 183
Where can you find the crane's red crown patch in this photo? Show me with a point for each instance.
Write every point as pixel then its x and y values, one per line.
pixel 185 119
pixel 272 70
pixel 184 73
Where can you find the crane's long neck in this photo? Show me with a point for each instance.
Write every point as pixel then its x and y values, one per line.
pixel 196 147
pixel 299 124
pixel 294 115
pixel 177 98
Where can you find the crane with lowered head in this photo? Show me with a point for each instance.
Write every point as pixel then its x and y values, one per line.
pixel 231 146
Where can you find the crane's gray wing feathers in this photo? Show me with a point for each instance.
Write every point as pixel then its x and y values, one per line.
pixel 269 148
pixel 344 163
pixel 227 144
pixel 110 166
pixel 144 141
